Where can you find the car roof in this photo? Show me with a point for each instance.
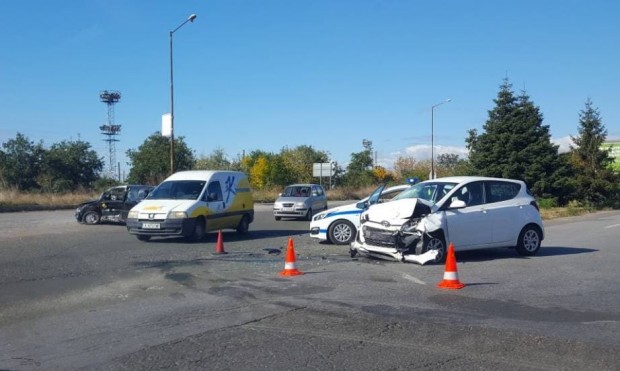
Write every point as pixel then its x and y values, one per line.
pixel 303 185
pixel 466 179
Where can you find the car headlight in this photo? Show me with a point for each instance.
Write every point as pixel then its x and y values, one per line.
pixel 177 215
pixel 133 214
pixel 363 218
pixel 300 204
pixel 319 216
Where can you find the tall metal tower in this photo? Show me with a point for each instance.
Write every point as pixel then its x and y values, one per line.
pixel 110 129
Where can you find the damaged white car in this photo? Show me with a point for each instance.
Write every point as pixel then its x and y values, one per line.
pixel 469 212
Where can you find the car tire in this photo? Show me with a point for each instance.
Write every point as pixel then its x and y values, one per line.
pixel 244 225
pixel 309 215
pixel 142 237
pixel 435 242
pixel 91 217
pixel 529 240
pixel 199 231
pixel 341 232
pixel 278 217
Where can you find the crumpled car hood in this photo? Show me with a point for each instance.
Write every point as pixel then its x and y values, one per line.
pixel 394 210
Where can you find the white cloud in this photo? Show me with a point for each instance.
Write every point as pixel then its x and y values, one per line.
pixel 564 143
pixel 419 152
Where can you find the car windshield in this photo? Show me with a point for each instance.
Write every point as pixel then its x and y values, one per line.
pixel 430 191
pixel 177 190
pixel 296 191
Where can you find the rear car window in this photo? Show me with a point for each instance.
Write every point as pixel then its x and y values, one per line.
pixel 501 191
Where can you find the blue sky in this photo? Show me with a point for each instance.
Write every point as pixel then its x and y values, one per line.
pixel 267 74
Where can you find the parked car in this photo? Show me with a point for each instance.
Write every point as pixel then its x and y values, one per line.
pixel 112 205
pixel 300 201
pixel 469 212
pixel 339 225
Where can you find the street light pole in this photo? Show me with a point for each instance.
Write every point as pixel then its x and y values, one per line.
pixel 433 136
pixel 189 19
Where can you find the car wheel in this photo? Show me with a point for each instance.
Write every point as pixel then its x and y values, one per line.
pixel 278 217
pixel 144 238
pixel 199 231
pixel 244 225
pixel 341 232
pixel 91 217
pixel 435 243
pixel 309 215
pixel 529 241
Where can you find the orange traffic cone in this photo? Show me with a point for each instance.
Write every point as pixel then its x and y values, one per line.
pixel 451 275
pixel 289 264
pixel 219 246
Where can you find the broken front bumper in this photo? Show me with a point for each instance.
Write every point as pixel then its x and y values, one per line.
pixel 390 253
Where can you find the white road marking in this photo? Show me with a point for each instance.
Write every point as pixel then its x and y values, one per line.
pixel 612 226
pixel 413 279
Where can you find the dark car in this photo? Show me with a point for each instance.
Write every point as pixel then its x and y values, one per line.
pixel 113 204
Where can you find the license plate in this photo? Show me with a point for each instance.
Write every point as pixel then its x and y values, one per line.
pixel 150 225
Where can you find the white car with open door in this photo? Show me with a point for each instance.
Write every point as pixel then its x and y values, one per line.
pixel 469 212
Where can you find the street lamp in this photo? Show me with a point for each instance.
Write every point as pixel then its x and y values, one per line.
pixel 189 19
pixel 433 136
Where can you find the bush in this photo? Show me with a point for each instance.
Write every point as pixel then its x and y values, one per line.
pixel 547 203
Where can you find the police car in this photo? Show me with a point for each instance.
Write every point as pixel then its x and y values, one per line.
pixel 339 225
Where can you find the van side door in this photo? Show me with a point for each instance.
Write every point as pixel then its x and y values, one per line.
pixel 214 199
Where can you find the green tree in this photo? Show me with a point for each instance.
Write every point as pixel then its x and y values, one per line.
pixel 68 165
pixel 359 170
pixel 215 161
pixel 515 144
pixel 21 163
pixel 597 185
pixel 298 162
pixel 450 164
pixel 150 163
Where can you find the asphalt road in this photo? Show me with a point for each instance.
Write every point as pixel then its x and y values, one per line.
pixel 94 297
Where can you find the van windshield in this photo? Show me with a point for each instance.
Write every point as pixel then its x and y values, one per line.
pixel 177 190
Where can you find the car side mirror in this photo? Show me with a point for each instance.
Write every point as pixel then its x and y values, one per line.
pixel 457 204
pixel 361 205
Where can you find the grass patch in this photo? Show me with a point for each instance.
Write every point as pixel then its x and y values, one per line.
pixel 12 200
pixel 562 212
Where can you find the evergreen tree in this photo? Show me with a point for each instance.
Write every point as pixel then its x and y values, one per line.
pixel 597 185
pixel 515 144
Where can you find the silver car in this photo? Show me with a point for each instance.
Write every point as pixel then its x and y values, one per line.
pixel 300 201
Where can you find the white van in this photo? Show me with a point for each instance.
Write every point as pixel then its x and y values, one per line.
pixel 191 203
